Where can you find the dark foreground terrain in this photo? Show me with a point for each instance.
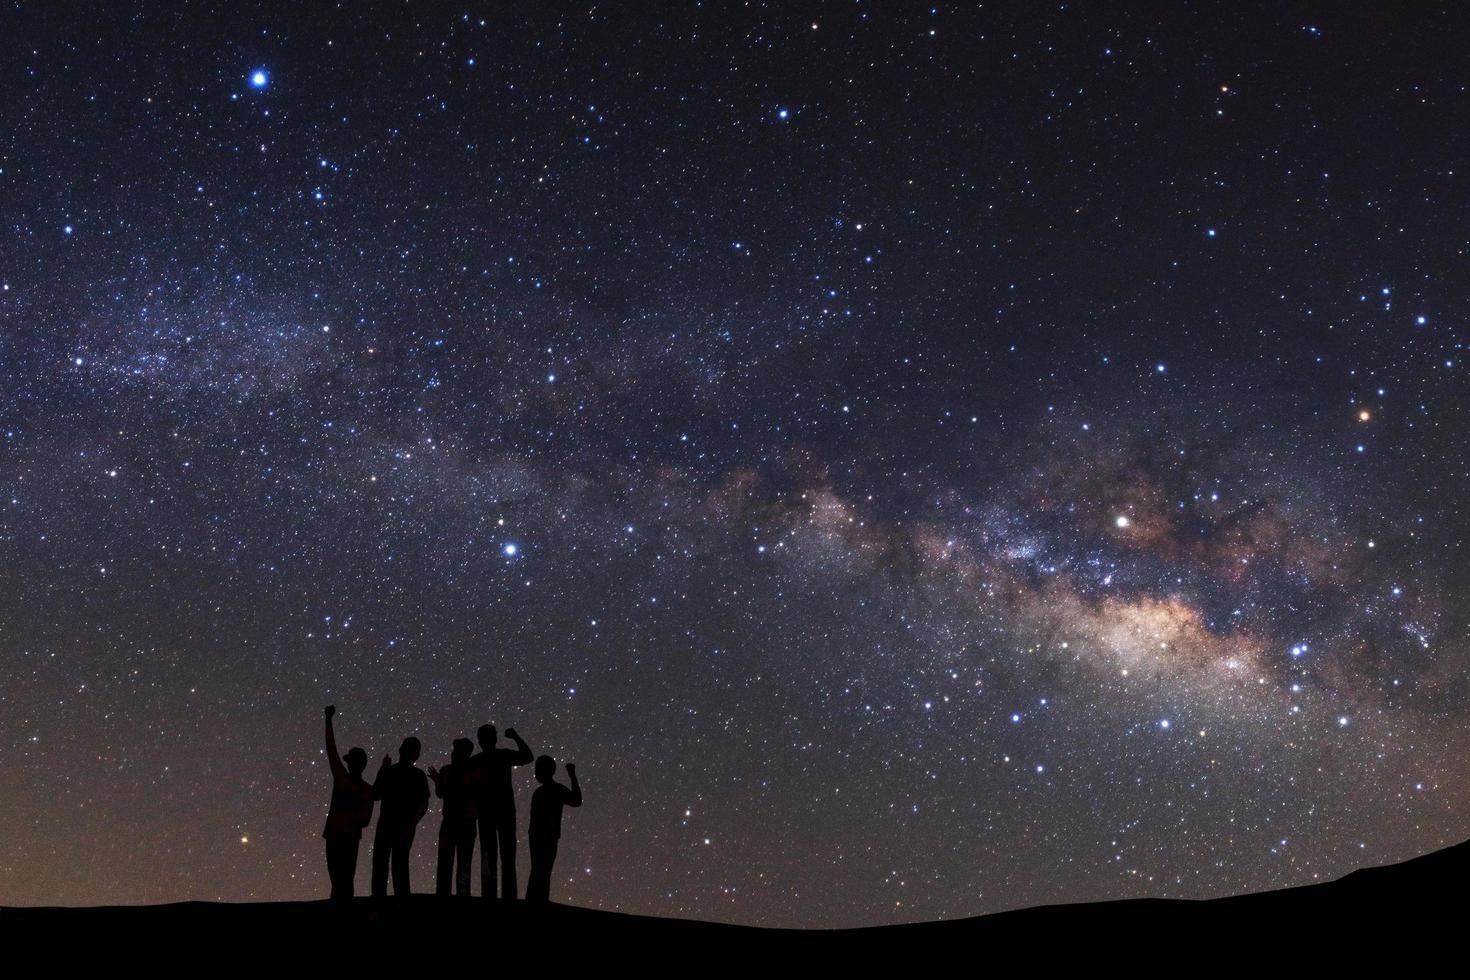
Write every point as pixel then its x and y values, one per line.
pixel 1400 914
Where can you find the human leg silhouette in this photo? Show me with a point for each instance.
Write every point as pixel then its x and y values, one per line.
pixel 464 856
pixel 382 851
pixel 505 832
pixel 487 856
pixel 342 864
pixel 402 848
pixel 543 856
pixel 444 874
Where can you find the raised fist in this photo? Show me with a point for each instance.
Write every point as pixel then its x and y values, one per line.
pixel 331 710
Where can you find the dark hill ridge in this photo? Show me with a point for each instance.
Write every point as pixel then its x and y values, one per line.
pixel 1411 909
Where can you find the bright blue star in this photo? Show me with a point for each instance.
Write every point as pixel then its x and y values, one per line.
pixel 511 549
pixel 259 79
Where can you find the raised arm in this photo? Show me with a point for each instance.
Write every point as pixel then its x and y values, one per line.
pixel 575 797
pixel 339 772
pixel 523 754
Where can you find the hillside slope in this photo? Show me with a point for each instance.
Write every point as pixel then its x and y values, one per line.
pixel 1402 911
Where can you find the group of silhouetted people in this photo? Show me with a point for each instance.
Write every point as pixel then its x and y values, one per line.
pixel 478 798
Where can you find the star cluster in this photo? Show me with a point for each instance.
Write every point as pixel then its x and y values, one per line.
pixel 917 461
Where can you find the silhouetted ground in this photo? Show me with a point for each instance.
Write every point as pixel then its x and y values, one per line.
pixel 1402 913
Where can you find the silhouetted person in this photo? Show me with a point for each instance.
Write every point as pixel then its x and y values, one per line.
pixel 545 830
pixel 457 828
pixel 404 791
pixel 495 799
pixel 351 810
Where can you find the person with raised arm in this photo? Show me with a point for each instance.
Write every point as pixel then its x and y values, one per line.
pixel 350 810
pixel 496 802
pixel 544 832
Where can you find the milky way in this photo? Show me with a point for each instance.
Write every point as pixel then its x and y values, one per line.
pixel 916 461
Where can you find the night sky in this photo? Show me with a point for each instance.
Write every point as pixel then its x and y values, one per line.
pixel 917 461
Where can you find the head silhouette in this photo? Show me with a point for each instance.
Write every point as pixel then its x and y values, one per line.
pixel 356 760
pixel 545 768
pixel 463 749
pixel 409 750
pixel 486 735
